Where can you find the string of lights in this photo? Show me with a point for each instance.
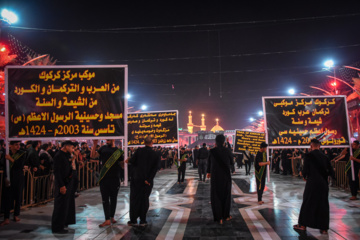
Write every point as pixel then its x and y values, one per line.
pixel 222 56
pixel 222 72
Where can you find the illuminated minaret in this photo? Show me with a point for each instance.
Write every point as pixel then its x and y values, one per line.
pixel 203 127
pixel 217 122
pixel 190 124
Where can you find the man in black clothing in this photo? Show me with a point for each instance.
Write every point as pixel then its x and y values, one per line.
pixel 227 144
pixel 110 158
pixel 247 160
pixel 13 193
pixel 182 167
pixel 314 210
pixel 276 160
pixel 65 181
pixel 85 148
pixel 45 159
pixel 33 160
pixel 203 158
pixel 238 160
pixel 163 158
pixel 159 153
pixel 144 163
pixel 219 170
pixel 170 158
pixel 196 156
pixel 354 185
pixel 260 171
pixel 285 161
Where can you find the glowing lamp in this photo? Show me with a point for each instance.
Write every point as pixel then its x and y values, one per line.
pixel 329 63
pixel 9 16
pixel 143 107
pixel 2 49
pixel 251 119
pixel 333 84
pixel 291 91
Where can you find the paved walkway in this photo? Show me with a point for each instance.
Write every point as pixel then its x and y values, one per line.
pixel 184 212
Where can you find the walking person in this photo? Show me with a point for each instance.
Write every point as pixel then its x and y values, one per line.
pixel 110 158
pixel 145 164
pixel 65 175
pixel 219 172
pixel 202 162
pixel 314 210
pixel 260 171
pixel 239 158
pixel 196 156
pixel 12 191
pixel 247 160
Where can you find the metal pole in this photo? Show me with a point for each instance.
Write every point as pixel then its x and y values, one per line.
pixel 268 166
pixel 125 145
pixel 7 162
pixel 349 136
pixel 335 82
pixel 125 165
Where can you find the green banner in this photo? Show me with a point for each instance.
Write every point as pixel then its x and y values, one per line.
pixel 109 163
pixel 259 174
pixel 16 156
pixel 348 164
pixel 177 162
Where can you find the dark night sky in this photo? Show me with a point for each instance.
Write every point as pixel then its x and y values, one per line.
pixel 160 51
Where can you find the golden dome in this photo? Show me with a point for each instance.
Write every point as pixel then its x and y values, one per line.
pixel 217 127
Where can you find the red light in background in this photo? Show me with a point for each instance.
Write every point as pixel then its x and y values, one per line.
pixel 2 49
pixel 333 84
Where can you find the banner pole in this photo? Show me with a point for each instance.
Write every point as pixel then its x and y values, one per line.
pixel 352 165
pixel 268 166
pixel 7 162
pixel 7 150
pixel 266 138
pixel 126 177
pixel 126 137
pixel 349 138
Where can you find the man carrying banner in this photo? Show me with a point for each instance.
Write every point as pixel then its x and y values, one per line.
pixel 260 171
pixel 110 158
pixel 354 185
pixel 12 190
pixel 182 165
pixel 144 163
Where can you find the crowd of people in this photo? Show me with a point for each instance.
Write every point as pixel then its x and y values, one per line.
pixel 291 162
pixel 216 163
pixel 35 159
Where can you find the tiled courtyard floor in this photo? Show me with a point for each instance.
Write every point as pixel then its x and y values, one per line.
pixel 184 212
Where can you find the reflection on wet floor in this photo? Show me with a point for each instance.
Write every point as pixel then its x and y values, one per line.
pixel 183 211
